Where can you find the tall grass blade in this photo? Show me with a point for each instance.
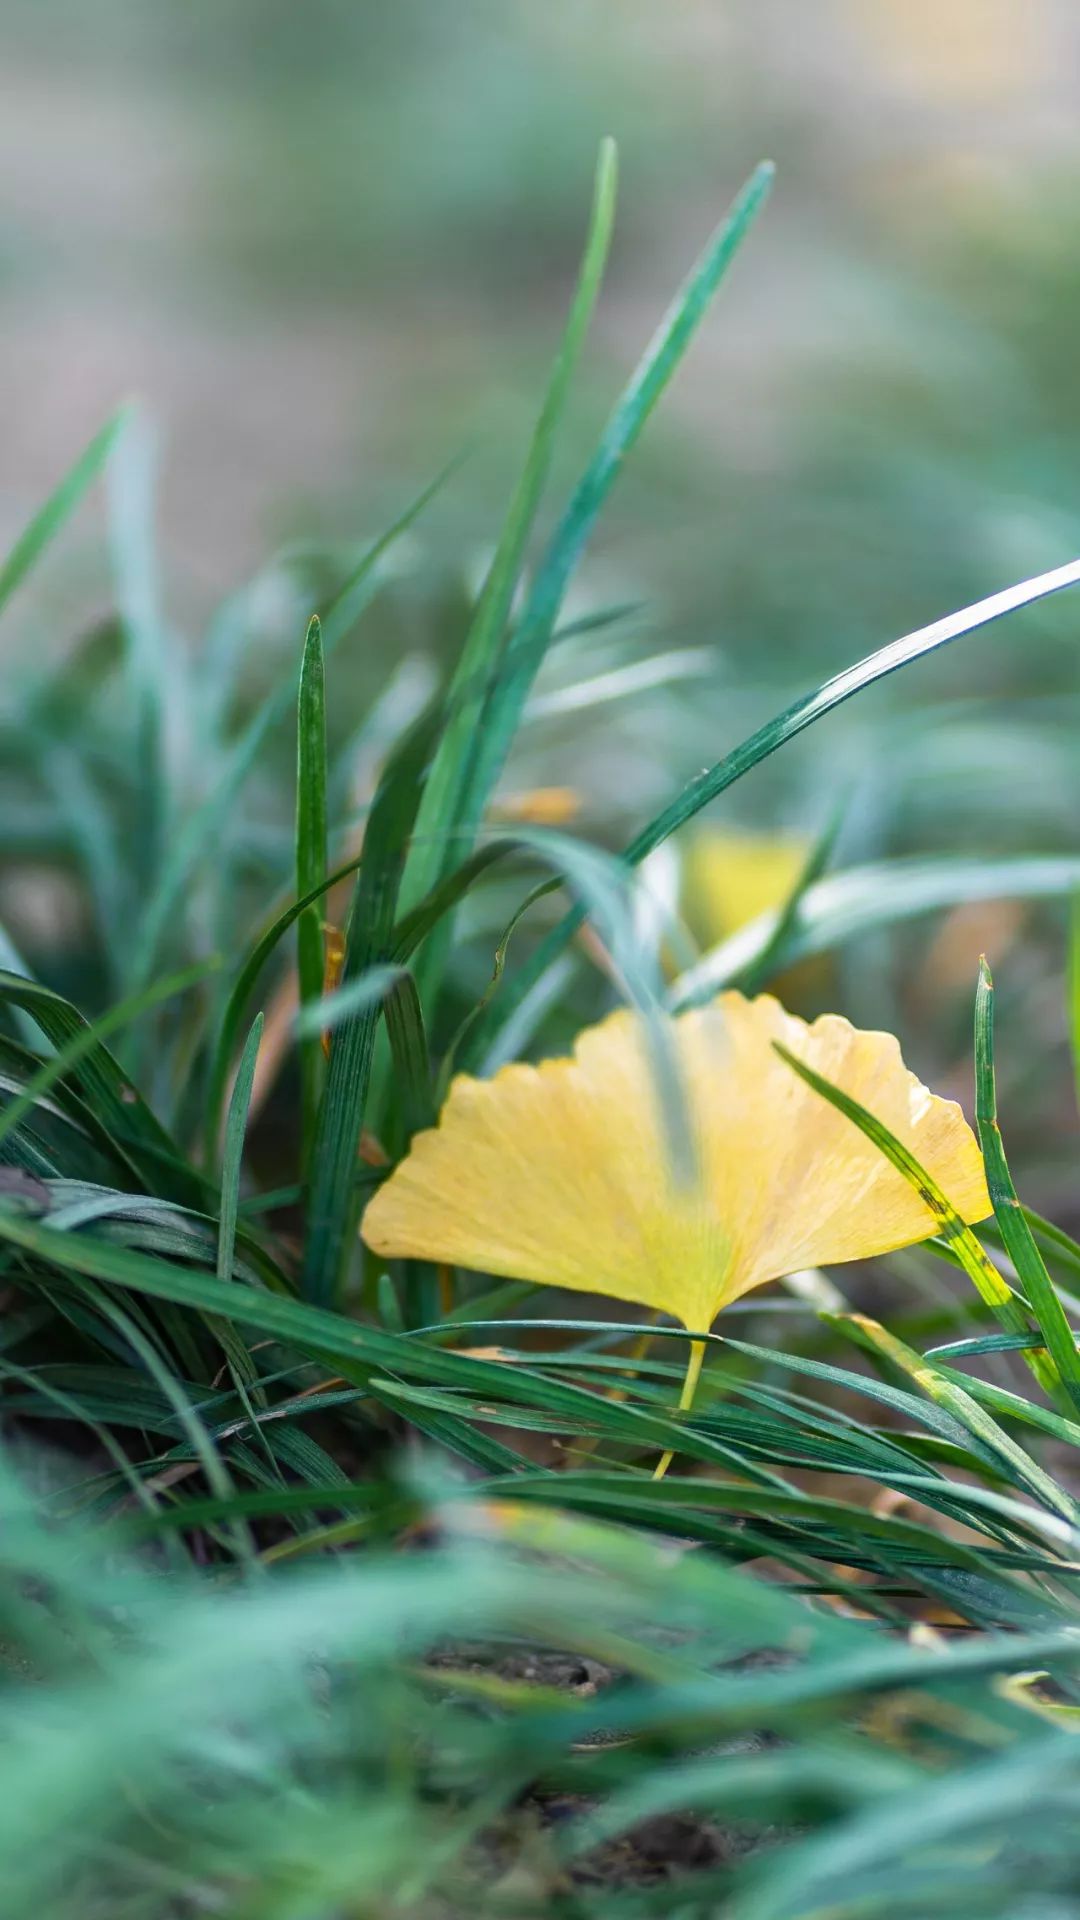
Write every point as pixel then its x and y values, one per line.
pixel 529 641
pixel 312 841
pixel 442 825
pixel 232 1162
pixel 1019 1240
pixel 332 1202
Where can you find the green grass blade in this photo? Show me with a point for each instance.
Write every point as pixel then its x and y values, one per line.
pixel 1017 1235
pixel 58 508
pixel 409 1050
pixel 989 1283
pixel 776 733
pixel 529 642
pixel 243 987
pixel 312 840
pixel 232 1164
pixel 218 1478
pixel 332 1189
pixel 440 821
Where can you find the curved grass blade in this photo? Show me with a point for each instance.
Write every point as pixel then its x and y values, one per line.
pixel 312 839
pixel 243 988
pixel 1019 1240
pixel 218 1478
pixel 333 1009
pixel 776 733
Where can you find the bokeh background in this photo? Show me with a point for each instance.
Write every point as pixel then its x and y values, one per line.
pixel 330 245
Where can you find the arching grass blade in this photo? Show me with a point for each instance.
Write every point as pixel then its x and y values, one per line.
pixel 776 733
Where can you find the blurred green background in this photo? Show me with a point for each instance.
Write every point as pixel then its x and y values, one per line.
pixel 330 245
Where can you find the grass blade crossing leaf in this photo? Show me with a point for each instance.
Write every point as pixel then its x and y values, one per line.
pixel 990 1284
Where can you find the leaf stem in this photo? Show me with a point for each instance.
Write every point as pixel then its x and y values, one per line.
pixel 686 1397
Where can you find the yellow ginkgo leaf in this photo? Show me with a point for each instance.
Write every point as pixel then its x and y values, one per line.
pixel 561 1173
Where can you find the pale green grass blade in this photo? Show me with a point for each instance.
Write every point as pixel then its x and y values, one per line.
pixel 861 899
pixel 1017 1235
pixel 333 1009
pixel 232 1162
pixel 131 490
pixel 59 507
pixel 312 841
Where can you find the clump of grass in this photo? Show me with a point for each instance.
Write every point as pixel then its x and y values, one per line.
pixel 260 1495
